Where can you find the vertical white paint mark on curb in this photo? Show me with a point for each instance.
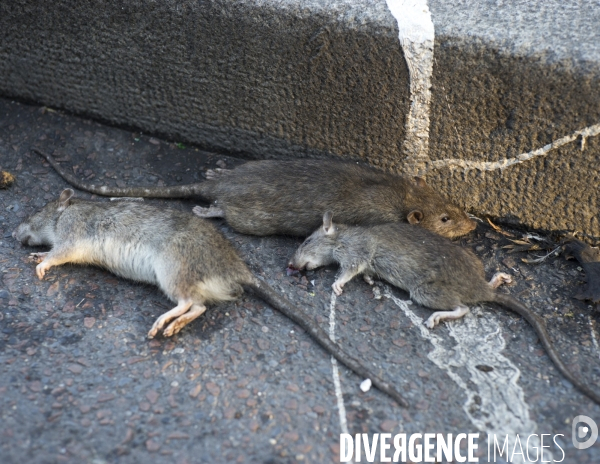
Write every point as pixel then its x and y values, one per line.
pixel 416 34
pixel 336 374
pixel 496 405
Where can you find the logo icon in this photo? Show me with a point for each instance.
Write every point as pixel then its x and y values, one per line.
pixel 581 431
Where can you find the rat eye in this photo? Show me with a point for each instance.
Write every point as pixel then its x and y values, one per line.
pixel 445 218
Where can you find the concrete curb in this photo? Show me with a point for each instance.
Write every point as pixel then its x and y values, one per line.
pixel 270 78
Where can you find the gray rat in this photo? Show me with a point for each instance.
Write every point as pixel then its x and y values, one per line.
pixel 289 197
pixel 189 260
pixel 437 273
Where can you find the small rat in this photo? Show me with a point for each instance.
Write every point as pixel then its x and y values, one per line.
pixel 189 260
pixel 289 197
pixel 437 273
pixel 589 258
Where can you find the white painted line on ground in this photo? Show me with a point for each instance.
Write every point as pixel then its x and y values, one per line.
pixel 416 34
pixel 495 402
pixel 590 131
pixel 336 374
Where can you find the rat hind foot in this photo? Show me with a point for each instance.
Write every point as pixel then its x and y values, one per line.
pixel 126 199
pixel 440 316
pixel 217 172
pixel 500 278
pixel 212 212
pixel 183 320
pixel 182 307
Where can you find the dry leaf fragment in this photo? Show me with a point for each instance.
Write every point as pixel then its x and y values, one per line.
pixel 6 179
pixel 499 229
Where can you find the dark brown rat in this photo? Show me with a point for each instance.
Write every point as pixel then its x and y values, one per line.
pixel 189 260
pixel 289 197
pixel 589 258
pixel 437 273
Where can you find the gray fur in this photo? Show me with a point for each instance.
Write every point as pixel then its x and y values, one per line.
pixel 139 242
pixel 290 197
pixel 437 273
pixel 191 262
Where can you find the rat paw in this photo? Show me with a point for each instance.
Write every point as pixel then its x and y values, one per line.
pixel 500 278
pixel 337 288
pixel 41 269
pixel 152 332
pixel 211 212
pixel 38 257
pixel 198 210
pixel 160 322
pixel 433 320
pixel 216 173
pixel 368 279
pixel 173 328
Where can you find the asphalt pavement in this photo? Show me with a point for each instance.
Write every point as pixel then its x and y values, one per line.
pixel 80 382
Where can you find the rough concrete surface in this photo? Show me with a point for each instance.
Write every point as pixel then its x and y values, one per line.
pixel 79 381
pixel 280 78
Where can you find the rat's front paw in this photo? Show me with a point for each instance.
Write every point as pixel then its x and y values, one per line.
pixel 337 288
pixel 368 279
pixel 38 257
pixel 41 269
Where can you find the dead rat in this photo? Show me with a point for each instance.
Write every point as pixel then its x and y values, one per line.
pixel 437 273
pixel 589 258
pixel 189 260
pixel 289 197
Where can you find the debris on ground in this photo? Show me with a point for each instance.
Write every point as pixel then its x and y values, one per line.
pixel 6 179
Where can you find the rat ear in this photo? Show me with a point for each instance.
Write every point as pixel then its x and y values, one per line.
pixel 419 181
pixel 328 223
pixel 65 199
pixel 415 216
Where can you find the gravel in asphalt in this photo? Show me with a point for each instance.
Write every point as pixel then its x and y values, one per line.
pixel 80 382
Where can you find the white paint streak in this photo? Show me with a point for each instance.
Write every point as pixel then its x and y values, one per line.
pixel 336 374
pixel 590 131
pixel 416 34
pixel 495 402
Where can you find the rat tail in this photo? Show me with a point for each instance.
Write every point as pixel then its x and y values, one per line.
pixel 178 191
pixel 539 325
pixel 264 291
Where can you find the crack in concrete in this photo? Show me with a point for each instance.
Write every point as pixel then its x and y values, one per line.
pixel 590 131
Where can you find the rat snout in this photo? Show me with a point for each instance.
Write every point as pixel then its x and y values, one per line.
pixel 24 240
pixel 472 225
pixel 294 263
pixel 294 267
pixel 22 234
pixel 18 235
pixel 290 271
